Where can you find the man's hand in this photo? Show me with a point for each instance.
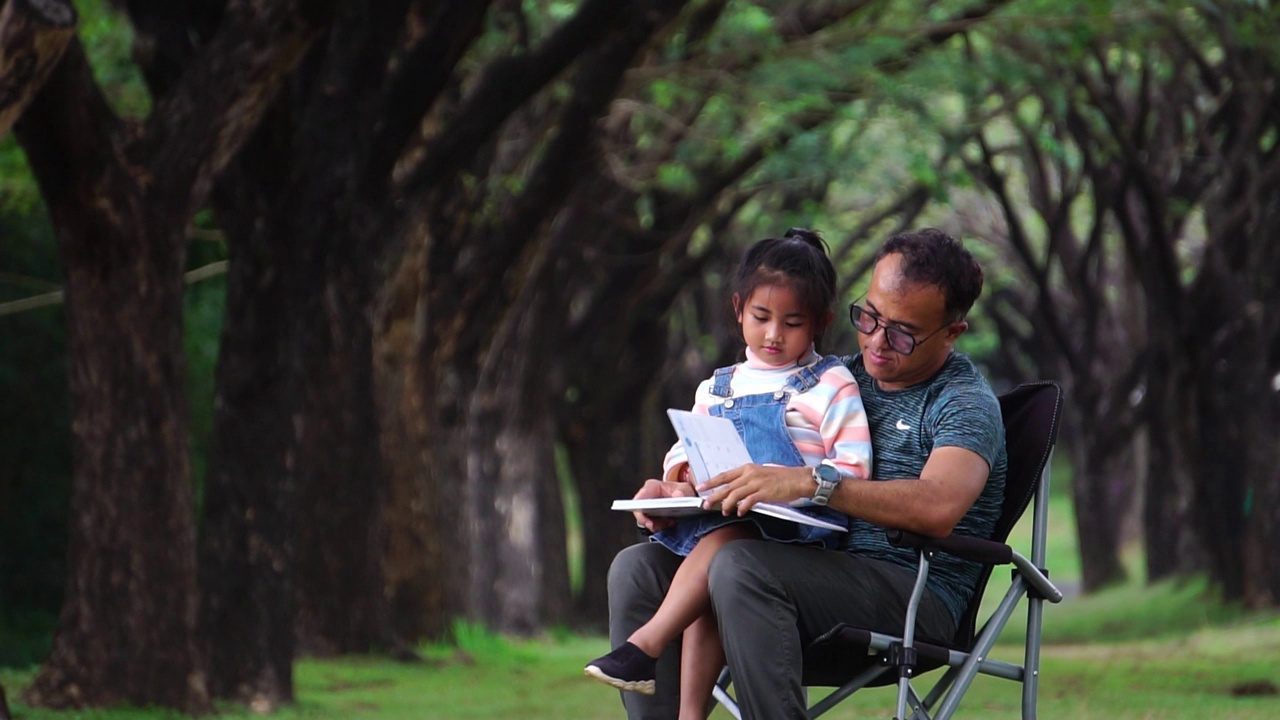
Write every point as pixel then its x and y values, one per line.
pixel 660 489
pixel 741 488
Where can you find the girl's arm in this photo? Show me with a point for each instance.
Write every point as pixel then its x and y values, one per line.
pixel 845 432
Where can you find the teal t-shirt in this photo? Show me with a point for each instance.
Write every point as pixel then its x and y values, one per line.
pixel 955 408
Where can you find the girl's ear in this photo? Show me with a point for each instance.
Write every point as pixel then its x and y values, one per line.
pixel 826 321
pixel 737 307
pixel 822 324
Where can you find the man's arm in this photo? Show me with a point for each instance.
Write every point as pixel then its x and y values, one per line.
pixel 931 505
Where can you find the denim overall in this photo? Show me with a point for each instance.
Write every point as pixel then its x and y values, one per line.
pixel 760 420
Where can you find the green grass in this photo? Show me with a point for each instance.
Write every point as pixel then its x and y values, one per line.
pixel 1182 664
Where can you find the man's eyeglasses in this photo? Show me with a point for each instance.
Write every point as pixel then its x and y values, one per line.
pixel 899 340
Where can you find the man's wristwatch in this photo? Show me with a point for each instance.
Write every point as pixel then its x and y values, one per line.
pixel 827 475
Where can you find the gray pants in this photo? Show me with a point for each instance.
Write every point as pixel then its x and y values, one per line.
pixel 770 600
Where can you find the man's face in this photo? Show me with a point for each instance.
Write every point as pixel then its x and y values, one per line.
pixel 919 311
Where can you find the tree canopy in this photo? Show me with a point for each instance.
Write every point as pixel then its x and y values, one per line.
pixel 473 247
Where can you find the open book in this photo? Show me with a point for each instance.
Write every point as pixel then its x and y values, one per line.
pixel 712 446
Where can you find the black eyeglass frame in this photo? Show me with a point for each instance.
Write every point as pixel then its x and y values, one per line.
pixel 890 332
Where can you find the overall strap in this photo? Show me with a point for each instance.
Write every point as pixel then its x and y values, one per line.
pixel 720 381
pixel 806 377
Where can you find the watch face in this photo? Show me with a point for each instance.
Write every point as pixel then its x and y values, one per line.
pixel 828 473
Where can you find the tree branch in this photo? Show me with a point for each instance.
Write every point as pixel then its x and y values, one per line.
pixel 196 130
pixel 508 83
pixel 68 132
pixel 998 183
pixel 33 36
pixel 417 83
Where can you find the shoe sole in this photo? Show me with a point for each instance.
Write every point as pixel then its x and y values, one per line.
pixel 644 687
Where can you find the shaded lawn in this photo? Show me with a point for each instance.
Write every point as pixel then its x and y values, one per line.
pixel 1190 675
pixel 1170 651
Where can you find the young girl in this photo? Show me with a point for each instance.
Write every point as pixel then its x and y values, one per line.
pixel 792 407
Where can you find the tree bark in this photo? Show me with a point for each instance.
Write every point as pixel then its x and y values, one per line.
pixel 341 600
pixel 120 199
pixel 514 512
pixel 250 514
pixel 1072 336
pixel 1098 486
pixel 340 594
pixel 420 513
pixel 127 629
pixel 517 544
pixel 1233 345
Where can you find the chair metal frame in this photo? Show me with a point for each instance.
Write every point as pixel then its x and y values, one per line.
pixel 863 658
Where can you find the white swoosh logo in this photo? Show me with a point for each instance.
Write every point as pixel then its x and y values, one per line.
pixel 902 426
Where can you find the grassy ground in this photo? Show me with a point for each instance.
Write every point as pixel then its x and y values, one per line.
pixel 1171 652
pixel 1188 670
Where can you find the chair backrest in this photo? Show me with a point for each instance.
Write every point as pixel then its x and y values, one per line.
pixel 1030 413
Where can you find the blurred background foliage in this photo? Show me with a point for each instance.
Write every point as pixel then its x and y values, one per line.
pixel 1112 164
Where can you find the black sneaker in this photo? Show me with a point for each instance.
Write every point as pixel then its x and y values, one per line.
pixel 626 668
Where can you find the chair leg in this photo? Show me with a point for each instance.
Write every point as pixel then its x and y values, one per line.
pixel 905 653
pixel 1031 661
pixel 720 694
pixel 908 698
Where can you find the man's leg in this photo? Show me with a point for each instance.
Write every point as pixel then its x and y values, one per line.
pixel 638 581
pixel 771 599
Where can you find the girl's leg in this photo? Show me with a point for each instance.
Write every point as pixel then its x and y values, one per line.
pixel 701 660
pixel 632 666
pixel 688 598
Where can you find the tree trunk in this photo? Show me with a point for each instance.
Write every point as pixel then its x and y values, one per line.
pixel 1262 503
pixel 1236 356
pixel 298 215
pixel 341 542
pixel 609 462
pixel 1221 459
pixel 515 513
pixel 1099 485
pixel 127 628
pixel 420 514
pixel 1173 542
pixel 247 534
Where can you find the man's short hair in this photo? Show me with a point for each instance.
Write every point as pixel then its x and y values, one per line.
pixel 932 257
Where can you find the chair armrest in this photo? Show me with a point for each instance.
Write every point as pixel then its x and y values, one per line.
pixel 987 552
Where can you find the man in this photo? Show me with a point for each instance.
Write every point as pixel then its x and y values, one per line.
pixel 938 467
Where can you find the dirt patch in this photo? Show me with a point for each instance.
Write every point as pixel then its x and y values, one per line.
pixel 1254 688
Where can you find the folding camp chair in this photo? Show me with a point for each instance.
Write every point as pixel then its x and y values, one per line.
pixel 851 658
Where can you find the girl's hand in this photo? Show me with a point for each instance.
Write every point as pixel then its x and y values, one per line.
pixel 739 489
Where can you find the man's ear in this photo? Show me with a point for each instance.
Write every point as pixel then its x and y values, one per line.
pixel 956 330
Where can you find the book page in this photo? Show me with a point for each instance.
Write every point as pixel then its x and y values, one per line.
pixel 712 444
pixel 664 507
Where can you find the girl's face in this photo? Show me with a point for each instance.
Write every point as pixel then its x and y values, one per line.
pixel 777 328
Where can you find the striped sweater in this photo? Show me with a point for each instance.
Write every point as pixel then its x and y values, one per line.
pixel 828 421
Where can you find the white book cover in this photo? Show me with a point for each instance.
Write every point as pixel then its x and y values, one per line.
pixel 712 446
